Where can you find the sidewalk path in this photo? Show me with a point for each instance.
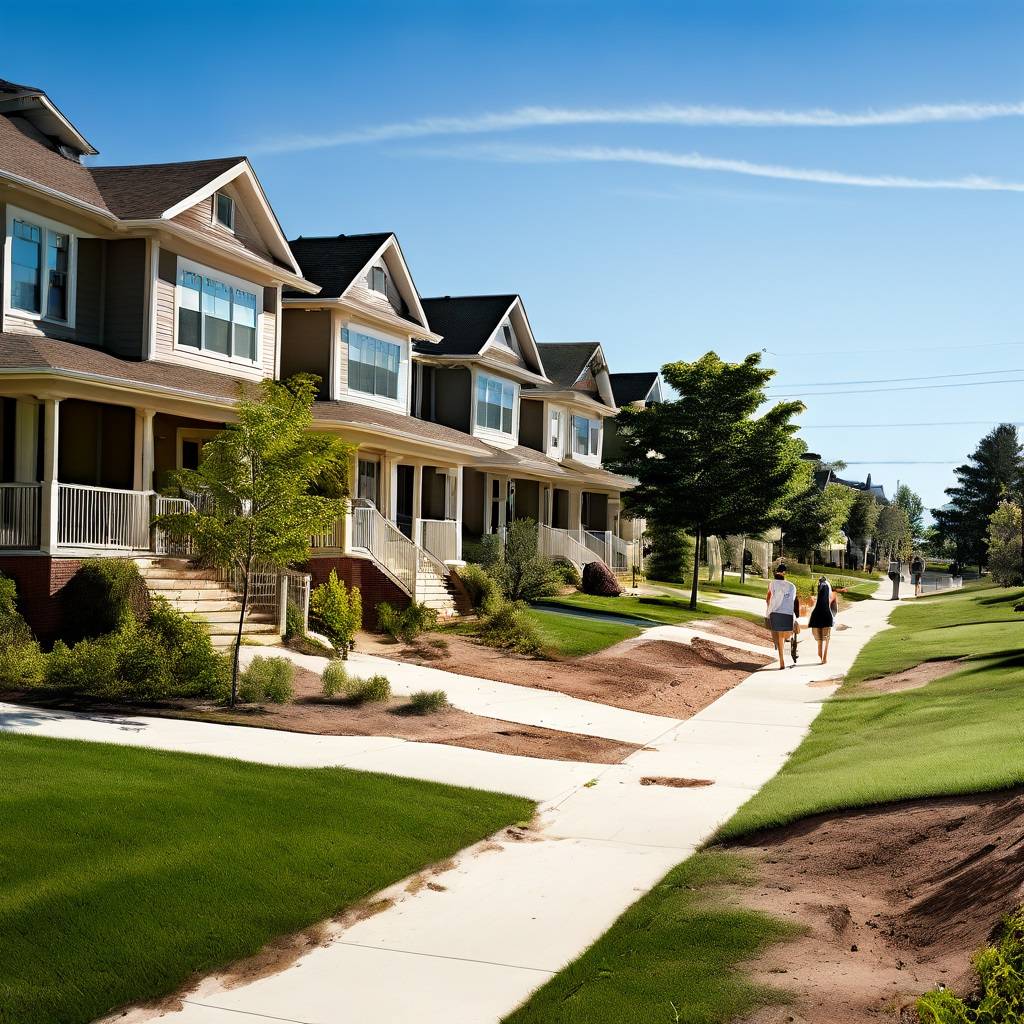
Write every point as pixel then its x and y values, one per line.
pixel 514 911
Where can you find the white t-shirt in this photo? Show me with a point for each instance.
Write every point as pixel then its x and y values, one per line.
pixel 782 597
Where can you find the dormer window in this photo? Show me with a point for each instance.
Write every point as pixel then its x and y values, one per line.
pixel 224 207
pixel 379 280
pixel 507 336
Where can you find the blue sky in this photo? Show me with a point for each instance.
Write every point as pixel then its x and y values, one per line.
pixel 591 218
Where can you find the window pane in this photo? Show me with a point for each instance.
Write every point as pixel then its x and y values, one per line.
pixel 481 401
pixel 373 365
pixel 218 335
pixel 217 319
pixel 189 327
pixel 26 260
pixel 225 210
pixel 57 276
pixel 189 301
pixel 245 342
pixel 506 419
pixel 595 432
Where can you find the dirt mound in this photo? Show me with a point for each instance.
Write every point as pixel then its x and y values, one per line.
pixel 913 678
pixel 896 900
pixel 734 628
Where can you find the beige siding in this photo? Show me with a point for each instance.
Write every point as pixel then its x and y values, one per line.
pixel 245 236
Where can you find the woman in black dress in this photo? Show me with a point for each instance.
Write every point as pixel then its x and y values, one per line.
pixel 823 617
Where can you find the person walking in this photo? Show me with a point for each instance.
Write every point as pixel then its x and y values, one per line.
pixel 823 617
pixel 916 572
pixel 783 607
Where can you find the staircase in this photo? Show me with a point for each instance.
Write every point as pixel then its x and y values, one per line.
pixel 203 595
pixel 435 590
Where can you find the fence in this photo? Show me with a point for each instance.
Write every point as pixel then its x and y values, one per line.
pixel 101 517
pixel 19 515
pixel 439 537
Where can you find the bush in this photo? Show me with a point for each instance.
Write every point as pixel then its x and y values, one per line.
pixel 193 666
pixel 338 683
pixel 428 702
pixel 671 553
pixel 599 580
pixel 482 588
pixel 267 681
pixel 294 622
pixel 509 628
pixel 567 573
pixel 408 623
pixel 101 596
pixel 22 663
pixel 338 612
pixel 90 667
pixel 334 680
pixel 521 572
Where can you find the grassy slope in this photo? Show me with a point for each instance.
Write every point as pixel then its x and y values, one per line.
pixel 659 609
pixel 578 635
pixel 958 734
pixel 126 871
pixel 670 957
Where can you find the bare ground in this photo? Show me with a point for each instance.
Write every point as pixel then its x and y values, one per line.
pixel 658 677
pixel 895 900
pixel 913 678
pixel 735 629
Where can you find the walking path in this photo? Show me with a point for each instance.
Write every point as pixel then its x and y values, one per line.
pixel 514 910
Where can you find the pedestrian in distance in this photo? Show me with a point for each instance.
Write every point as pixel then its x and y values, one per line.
pixel 823 617
pixel 916 572
pixel 783 610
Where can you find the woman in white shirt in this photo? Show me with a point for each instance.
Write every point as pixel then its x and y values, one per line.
pixel 783 610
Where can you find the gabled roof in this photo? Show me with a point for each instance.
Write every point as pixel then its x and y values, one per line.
pixel 632 387
pixel 566 361
pixel 37 107
pixel 335 261
pixel 466 322
pixel 146 191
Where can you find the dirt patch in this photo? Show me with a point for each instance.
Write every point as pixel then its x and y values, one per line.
pixel 311 713
pixel 912 678
pixel 675 783
pixel 895 900
pixel 658 677
pixel 735 629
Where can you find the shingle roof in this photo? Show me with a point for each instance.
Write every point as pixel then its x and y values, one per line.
pixel 6 86
pixel 144 191
pixel 565 361
pixel 632 387
pixel 465 322
pixel 334 262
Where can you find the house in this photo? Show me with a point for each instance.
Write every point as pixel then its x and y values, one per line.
pixel 630 389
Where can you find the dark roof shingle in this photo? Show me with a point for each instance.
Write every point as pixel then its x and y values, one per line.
pixel 465 322
pixel 145 191
pixel 334 262
pixel 565 361
pixel 632 387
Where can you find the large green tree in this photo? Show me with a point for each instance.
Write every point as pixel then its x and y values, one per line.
pixel 994 469
pixel 267 483
pixel 816 515
pixel 894 534
pixel 1004 544
pixel 704 461
pixel 911 503
pixel 862 520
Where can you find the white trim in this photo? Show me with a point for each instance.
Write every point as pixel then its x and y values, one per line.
pixel 153 250
pixel 205 192
pixel 277 332
pixel 499 438
pixel 401 402
pixel 516 308
pixel 235 282
pixel 416 306
pixel 215 221
pixel 46 226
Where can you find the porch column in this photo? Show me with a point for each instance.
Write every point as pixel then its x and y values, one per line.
pixel 614 520
pixel 575 511
pixel 26 438
pixel 346 521
pixel 417 502
pixel 458 512
pixel 48 525
pixel 144 450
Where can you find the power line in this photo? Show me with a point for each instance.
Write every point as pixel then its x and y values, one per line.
pixel 935 423
pixel 895 380
pixel 905 462
pixel 916 387
pixel 899 351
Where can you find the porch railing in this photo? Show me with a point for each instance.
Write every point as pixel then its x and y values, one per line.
pixel 163 542
pixel 597 542
pixel 332 538
pixel 101 517
pixel 386 544
pixel 622 552
pixel 439 537
pixel 19 515
pixel 555 543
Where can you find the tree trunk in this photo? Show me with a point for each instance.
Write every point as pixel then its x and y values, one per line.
pixel 696 569
pixel 238 637
pixel 743 559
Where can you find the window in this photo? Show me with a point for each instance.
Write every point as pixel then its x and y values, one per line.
pixel 494 402
pixel 586 436
pixel 216 316
pixel 367 481
pixel 372 364
pixel 224 207
pixel 556 428
pixel 379 280
pixel 40 269
pixel 507 336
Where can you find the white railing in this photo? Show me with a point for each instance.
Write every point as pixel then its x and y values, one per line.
pixel 163 542
pixel 333 538
pixel 387 545
pixel 623 553
pixel 19 515
pixel 101 517
pixel 597 542
pixel 554 543
pixel 299 585
pixel 439 537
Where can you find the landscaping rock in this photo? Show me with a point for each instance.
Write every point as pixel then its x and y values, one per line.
pixel 600 581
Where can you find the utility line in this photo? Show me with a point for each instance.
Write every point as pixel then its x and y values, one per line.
pixel 916 387
pixel 895 380
pixel 899 351
pixel 883 426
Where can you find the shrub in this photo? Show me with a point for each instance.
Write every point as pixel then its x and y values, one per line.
pixel 267 681
pixel 428 702
pixel 334 680
pixel 509 628
pixel 22 663
pixel 338 612
pixel 101 596
pixel 338 683
pixel 89 667
pixel 194 667
pixel 294 622
pixel 599 580
pixel 521 572
pixel 567 573
pixel 408 623
pixel 482 588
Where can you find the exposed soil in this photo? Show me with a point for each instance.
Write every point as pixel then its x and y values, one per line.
pixel 735 629
pixel 913 678
pixel 658 677
pixel 674 782
pixel 895 900
pixel 312 713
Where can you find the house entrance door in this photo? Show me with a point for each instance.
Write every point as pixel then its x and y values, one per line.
pixel 403 500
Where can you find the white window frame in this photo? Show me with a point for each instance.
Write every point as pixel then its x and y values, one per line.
pixel 47 227
pixel 375 269
pixel 556 443
pixel 234 282
pixel 400 404
pixel 234 209
pixel 492 431
pixel 590 421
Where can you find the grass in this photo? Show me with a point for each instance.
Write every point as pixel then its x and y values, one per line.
pixel 959 734
pixel 670 957
pixel 574 636
pixel 128 871
pixel 656 610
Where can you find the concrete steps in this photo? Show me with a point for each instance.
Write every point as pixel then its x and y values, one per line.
pixel 436 591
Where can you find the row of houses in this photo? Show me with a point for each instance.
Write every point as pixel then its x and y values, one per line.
pixel 136 298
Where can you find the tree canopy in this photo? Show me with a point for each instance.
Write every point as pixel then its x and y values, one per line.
pixel 911 503
pixel 815 515
pixel 862 519
pixel 705 461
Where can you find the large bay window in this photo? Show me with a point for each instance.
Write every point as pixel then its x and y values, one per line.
pixel 216 313
pixel 586 436
pixel 41 267
pixel 495 400
pixel 372 364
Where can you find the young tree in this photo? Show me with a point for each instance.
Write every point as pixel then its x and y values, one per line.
pixel 704 461
pixel 895 537
pixel 1004 545
pixel 816 516
pixel 912 504
pixel 259 478
pixel 862 520
pixel 671 557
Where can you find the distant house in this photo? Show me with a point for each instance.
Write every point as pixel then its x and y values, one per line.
pixel 847 552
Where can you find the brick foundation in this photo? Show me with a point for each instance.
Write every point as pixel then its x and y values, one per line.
pixel 373 583
pixel 40 580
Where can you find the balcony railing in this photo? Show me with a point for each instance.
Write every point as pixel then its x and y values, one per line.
pixel 440 538
pixel 19 515
pixel 332 539
pixel 101 517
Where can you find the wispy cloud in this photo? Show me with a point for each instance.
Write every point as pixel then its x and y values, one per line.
pixel 700 162
pixel 693 116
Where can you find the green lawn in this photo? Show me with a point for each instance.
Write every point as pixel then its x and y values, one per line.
pixel 958 734
pixel 125 871
pixel 670 957
pixel 656 610
pixel 578 635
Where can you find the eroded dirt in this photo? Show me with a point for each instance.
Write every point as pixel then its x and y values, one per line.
pixel 913 678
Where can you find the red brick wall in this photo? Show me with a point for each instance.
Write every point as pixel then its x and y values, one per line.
pixel 374 585
pixel 40 580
